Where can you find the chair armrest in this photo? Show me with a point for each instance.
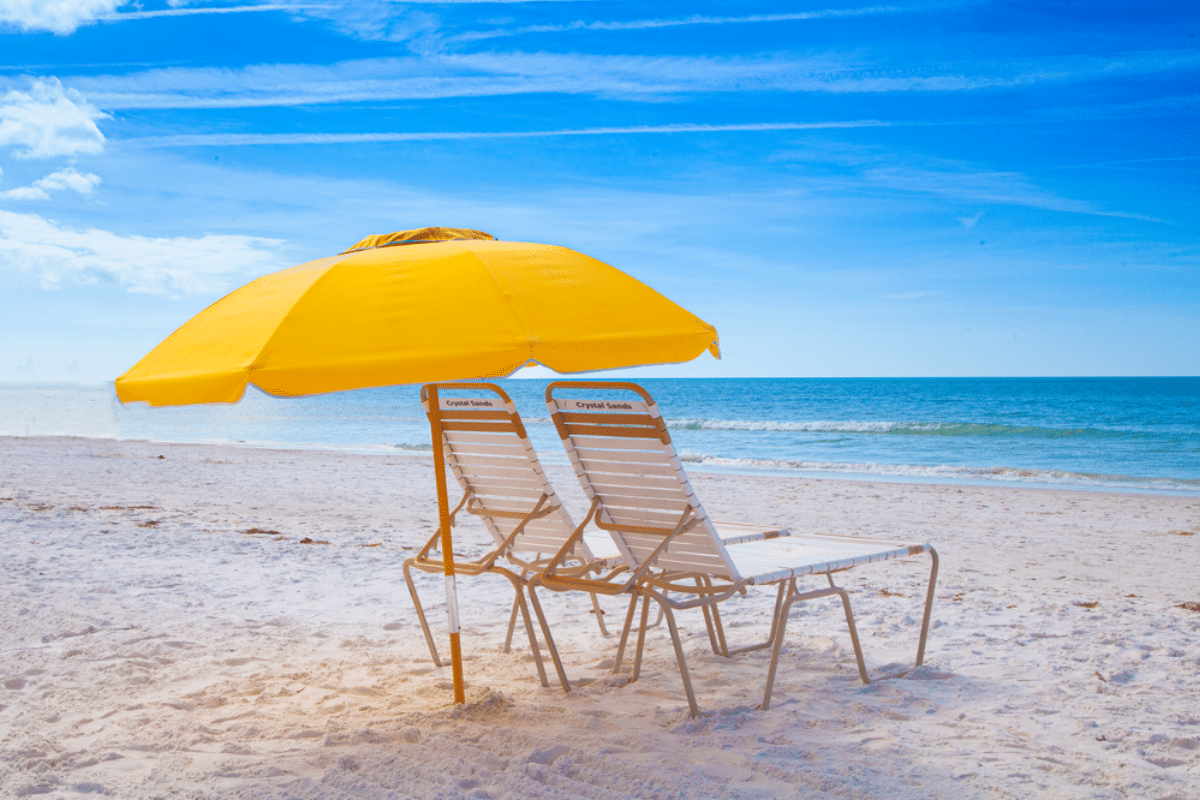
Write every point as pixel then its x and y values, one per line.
pixel 738 532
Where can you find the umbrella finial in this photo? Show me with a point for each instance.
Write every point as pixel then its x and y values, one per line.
pixel 418 236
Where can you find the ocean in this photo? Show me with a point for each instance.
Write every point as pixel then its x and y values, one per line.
pixel 1131 434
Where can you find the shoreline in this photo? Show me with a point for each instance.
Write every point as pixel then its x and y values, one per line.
pixel 1021 482
pixel 1123 434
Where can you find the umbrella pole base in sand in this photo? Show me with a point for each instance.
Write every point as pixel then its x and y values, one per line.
pixel 439 475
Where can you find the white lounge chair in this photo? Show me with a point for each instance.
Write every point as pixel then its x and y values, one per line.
pixel 489 453
pixel 619 445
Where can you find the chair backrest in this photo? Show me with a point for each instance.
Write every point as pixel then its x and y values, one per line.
pixel 618 443
pixel 489 453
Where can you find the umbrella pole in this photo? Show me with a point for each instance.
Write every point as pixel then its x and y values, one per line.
pixel 439 477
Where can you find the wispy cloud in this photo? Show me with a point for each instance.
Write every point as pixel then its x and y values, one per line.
pixel 239 139
pixel 61 17
pixel 878 167
pixel 386 20
pixel 626 77
pixel 437 76
pixel 84 183
pixel 1127 162
pixel 69 178
pixel 56 255
pixel 25 193
pixel 47 120
pixel 694 19
pixel 977 186
pixel 123 16
pixel 396 20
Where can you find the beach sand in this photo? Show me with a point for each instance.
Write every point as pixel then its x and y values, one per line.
pixel 152 645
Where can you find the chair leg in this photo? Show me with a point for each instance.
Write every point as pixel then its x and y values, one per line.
pixel 716 612
pixel 512 626
pixel 658 620
pixel 519 602
pixel 708 618
pixel 599 614
pixel 783 587
pixel 625 634
pixel 858 655
pixel 778 628
pixel 412 590
pixel 641 642
pixel 933 572
pixel 784 605
pixel 683 670
pixel 537 608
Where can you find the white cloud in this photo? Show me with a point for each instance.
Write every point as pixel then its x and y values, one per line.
pixel 241 139
pixel 56 255
pixel 969 222
pixel 256 8
pixel 25 193
pixel 375 19
pixel 694 19
pixel 48 120
pixel 628 77
pixel 69 178
pixel 387 20
pixel 57 16
pixel 395 20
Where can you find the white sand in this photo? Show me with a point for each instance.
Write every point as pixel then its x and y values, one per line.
pixel 151 648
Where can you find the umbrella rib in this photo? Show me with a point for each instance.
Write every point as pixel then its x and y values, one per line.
pixel 527 337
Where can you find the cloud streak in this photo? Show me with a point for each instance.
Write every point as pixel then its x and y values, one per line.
pixel 997 188
pixel 877 167
pixel 124 16
pixel 56 255
pixel 694 19
pixel 639 78
pixel 873 167
pixel 242 139
pixel 389 20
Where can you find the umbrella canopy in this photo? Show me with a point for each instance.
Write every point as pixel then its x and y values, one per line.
pixel 418 306
pixel 427 305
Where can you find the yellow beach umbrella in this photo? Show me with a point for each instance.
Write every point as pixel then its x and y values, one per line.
pixel 417 306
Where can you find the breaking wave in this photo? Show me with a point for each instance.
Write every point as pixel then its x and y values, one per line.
pixel 892 428
pixel 953 473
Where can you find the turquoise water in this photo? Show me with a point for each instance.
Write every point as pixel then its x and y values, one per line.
pixel 1126 433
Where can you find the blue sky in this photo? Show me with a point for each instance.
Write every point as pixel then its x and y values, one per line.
pixel 842 188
